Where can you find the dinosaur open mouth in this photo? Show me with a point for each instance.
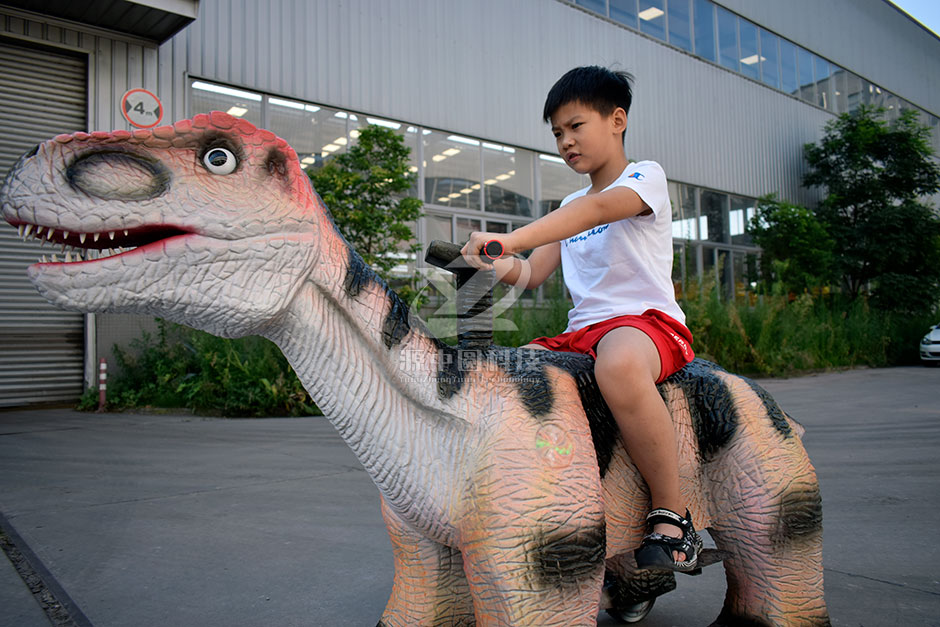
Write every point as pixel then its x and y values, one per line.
pixel 76 246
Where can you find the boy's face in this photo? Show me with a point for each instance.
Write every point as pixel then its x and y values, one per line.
pixel 586 139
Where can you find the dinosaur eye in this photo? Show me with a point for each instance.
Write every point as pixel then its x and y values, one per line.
pixel 220 161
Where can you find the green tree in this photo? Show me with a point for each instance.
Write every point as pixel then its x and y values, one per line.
pixel 797 250
pixel 875 175
pixel 365 189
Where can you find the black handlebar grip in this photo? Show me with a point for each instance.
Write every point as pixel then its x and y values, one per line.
pixel 493 249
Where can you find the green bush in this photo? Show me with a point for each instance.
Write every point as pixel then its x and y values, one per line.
pixel 184 368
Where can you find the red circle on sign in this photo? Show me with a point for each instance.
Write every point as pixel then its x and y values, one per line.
pixel 141 96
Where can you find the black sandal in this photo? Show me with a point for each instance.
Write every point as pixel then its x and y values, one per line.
pixel 655 553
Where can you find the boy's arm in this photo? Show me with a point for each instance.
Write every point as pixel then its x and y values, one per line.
pixel 528 273
pixel 577 216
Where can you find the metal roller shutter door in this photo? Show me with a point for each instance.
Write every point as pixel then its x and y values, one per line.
pixel 42 93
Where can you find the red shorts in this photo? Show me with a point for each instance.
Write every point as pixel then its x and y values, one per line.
pixel 672 339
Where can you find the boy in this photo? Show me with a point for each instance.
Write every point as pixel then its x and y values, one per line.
pixel 613 240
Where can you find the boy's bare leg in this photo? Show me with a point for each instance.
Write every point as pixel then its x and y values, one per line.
pixel 627 367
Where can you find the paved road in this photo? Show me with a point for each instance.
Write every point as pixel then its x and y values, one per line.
pixel 175 520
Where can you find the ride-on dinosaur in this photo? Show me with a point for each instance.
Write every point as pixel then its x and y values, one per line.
pixel 504 487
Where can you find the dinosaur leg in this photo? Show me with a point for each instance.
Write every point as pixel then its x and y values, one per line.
pixel 770 522
pixel 430 587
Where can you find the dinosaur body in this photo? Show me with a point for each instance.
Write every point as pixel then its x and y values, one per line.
pixel 505 489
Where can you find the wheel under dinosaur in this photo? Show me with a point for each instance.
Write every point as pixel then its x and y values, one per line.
pixel 506 493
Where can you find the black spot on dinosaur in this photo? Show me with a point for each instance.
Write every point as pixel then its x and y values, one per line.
pixel 397 322
pixel 800 516
pixel 714 415
pixel 276 163
pixel 564 559
pixel 358 274
pixel 777 416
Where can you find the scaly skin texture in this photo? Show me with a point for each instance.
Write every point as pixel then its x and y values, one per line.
pixel 504 486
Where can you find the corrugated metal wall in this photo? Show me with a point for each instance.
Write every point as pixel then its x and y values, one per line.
pixel 483 68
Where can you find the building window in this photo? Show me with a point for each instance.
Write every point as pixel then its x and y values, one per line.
pixel 684 219
pixel 206 97
pixel 680 24
pixel 652 18
pixel 624 12
pixel 769 62
pixel 807 75
pixel 822 84
pixel 728 39
pixel 714 208
pixel 788 77
pixel 452 171
pixel 597 6
pixel 705 29
pixel 557 180
pixel 507 180
pixel 750 57
pixel 742 210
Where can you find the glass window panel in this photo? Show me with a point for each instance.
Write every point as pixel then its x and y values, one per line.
pixel 557 180
pixel 208 97
pixel 837 84
pixel 683 211
pixel 822 84
pixel 742 210
pixel 496 226
pixel 714 208
pixel 507 180
pixel 680 24
pixel 788 76
pixel 314 132
pixel 598 6
pixel 769 59
pixel 438 227
pixel 705 29
pixel 466 226
pixel 653 18
pixel 892 106
pixel 727 38
pixel 750 59
pixel 807 77
pixel 624 11
pixel 452 170
pixel 853 92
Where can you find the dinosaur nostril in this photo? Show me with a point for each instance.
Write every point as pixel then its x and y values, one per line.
pixel 114 175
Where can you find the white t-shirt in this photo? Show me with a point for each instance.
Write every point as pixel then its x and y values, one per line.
pixel 625 267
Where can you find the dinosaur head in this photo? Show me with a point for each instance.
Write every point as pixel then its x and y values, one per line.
pixel 210 222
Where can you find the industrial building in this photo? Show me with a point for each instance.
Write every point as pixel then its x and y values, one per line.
pixel 727 92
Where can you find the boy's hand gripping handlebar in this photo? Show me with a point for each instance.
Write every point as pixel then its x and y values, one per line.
pixel 493 249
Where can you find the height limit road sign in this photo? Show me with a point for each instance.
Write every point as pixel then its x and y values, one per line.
pixel 141 108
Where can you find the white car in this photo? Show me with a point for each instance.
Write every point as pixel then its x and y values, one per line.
pixel 930 347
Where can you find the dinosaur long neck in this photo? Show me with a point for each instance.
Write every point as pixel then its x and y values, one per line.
pixel 373 373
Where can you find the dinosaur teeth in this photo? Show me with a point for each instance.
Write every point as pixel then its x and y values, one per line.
pixel 50 233
pixel 27 230
pixel 65 234
pixel 126 233
pixel 111 235
pixel 96 236
pixel 39 230
pixel 68 257
pixel 81 238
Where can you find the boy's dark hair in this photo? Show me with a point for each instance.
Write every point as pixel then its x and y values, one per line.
pixel 599 88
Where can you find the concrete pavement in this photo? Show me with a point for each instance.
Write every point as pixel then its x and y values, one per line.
pixel 177 520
